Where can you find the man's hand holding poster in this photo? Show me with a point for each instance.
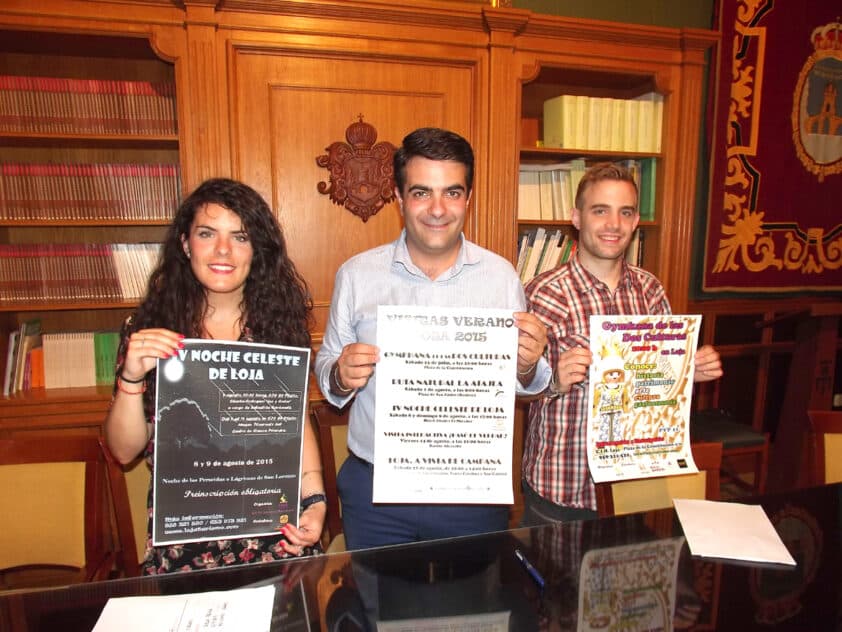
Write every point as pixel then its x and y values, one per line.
pixel 445 405
pixel 639 392
pixel 228 439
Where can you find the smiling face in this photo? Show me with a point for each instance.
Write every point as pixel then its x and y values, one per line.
pixel 433 203
pixel 606 221
pixel 614 376
pixel 219 249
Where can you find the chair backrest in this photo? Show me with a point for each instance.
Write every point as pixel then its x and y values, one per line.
pixel 138 477
pixel 826 426
pixel 58 488
pixel 129 515
pixel 624 497
pixel 332 428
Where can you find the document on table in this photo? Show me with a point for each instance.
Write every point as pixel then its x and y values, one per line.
pixel 231 610
pixel 731 531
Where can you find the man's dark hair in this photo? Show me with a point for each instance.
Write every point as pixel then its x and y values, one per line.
pixel 434 143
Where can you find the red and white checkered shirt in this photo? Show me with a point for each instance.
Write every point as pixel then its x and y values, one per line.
pixel 555 462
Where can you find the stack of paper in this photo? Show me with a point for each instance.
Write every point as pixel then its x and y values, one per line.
pixel 731 531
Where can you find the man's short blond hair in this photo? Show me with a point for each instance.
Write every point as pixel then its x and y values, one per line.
pixel 599 172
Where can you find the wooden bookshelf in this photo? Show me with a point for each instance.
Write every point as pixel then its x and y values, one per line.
pixel 114 62
pixel 559 56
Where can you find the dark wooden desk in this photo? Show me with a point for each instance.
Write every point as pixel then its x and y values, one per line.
pixel 470 577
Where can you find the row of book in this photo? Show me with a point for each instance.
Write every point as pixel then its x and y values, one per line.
pixel 604 124
pixel 548 191
pixel 102 191
pixel 35 273
pixel 540 250
pixel 645 172
pixel 56 105
pixel 58 360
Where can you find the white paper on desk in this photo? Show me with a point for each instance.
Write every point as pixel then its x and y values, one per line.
pixel 230 610
pixel 732 531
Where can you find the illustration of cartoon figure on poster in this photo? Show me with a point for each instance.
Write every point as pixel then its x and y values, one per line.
pixel 640 389
pixel 612 401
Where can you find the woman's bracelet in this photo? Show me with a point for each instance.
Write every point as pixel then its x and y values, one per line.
pixel 341 389
pixel 128 381
pixel 123 389
pixel 311 500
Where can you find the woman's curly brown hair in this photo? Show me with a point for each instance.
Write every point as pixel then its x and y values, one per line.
pixel 276 301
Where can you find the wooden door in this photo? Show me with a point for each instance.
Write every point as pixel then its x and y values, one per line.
pixel 286 109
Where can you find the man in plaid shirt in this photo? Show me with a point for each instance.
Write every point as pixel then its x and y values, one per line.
pixel 557 484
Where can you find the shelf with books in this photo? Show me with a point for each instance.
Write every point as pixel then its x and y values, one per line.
pixel 119 141
pixel 546 191
pixel 34 274
pixel 90 175
pixel 573 118
pixel 543 247
pixel 62 306
pixel 605 124
pixel 611 65
pixel 48 192
pixel 61 360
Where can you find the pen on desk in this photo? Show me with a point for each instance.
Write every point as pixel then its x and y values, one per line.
pixel 533 573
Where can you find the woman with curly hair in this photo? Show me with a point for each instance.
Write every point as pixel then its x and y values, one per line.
pixel 224 274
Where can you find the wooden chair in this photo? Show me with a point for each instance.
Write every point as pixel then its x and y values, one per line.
pixel 715 425
pixel 826 442
pixel 624 497
pixel 332 428
pixel 57 523
pixel 129 489
pixel 138 477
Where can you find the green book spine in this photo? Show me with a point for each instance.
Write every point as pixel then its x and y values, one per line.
pixel 647 189
pixel 105 350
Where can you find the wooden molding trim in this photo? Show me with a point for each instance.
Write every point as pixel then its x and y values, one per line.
pixel 410 12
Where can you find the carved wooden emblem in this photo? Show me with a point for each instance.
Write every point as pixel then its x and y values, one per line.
pixel 361 174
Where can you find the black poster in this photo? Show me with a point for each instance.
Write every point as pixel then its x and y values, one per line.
pixel 228 439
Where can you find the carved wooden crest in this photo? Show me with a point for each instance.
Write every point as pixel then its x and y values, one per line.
pixel 361 173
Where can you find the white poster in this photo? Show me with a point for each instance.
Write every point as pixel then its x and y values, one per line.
pixel 444 405
pixel 639 392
